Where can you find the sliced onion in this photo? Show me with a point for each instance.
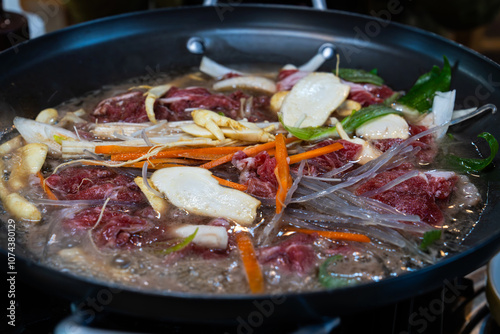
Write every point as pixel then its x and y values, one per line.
pixel 442 109
pixel 253 83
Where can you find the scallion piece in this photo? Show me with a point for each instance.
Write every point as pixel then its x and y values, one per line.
pixel 429 238
pixel 420 96
pixel 476 165
pixel 360 76
pixel 329 279
pixel 180 245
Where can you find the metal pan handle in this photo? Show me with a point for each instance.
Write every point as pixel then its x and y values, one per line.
pixel 318 4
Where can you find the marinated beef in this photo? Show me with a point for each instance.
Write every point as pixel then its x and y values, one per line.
pixel 94 183
pixel 295 254
pixel 419 195
pixel 325 163
pixel 128 107
pixel 117 228
pixel 368 94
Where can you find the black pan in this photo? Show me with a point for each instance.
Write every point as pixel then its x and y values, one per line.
pixel 56 67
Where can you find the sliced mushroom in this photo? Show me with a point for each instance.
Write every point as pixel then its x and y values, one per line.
pixel 346 108
pixel 207 236
pixel 277 100
pixel 313 99
pixel 367 153
pixel 253 83
pixel 195 190
pixel 159 204
pixel 387 126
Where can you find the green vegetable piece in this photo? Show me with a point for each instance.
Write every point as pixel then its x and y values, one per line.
pixel 328 279
pixel 355 75
pixel 349 123
pixel 180 245
pixel 363 115
pixel 429 238
pixel 311 133
pixel 420 96
pixel 476 165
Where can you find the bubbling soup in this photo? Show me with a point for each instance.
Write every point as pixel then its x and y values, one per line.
pixel 225 181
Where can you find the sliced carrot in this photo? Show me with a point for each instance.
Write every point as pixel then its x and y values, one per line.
pixel 334 235
pixel 315 153
pixel 230 184
pixel 250 151
pixel 250 263
pixel 208 153
pixel 115 149
pixel 154 163
pixel 47 190
pixel 282 172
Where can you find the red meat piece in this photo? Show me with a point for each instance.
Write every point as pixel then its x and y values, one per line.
pixel 116 228
pixel 128 107
pixel 295 254
pixel 325 163
pixel 419 195
pixel 94 183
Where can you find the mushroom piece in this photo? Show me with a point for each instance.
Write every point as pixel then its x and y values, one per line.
pixel 312 100
pixel 196 191
pixel 159 204
pixel 387 126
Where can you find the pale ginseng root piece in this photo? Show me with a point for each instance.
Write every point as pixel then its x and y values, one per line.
pixel 152 95
pixel 17 205
pixel 312 100
pixel 207 236
pixel 11 145
pixel 159 204
pixel 252 133
pixel 196 191
pixel 213 121
pixel 31 159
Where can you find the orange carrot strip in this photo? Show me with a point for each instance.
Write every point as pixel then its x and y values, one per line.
pixel 208 153
pixel 250 263
pixel 230 184
pixel 47 190
pixel 114 149
pixel 315 153
pixel 282 172
pixel 250 151
pixel 153 163
pixel 335 235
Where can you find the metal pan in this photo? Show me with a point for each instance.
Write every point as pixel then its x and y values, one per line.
pixel 56 67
